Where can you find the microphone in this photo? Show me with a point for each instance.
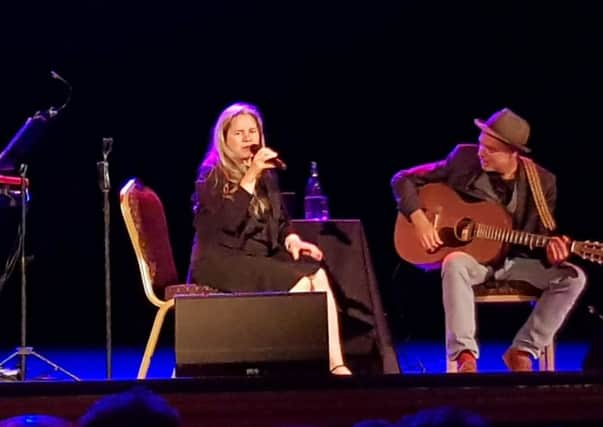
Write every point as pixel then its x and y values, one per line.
pixel 107 146
pixel 53 111
pixel 56 76
pixel 278 163
pixel 102 167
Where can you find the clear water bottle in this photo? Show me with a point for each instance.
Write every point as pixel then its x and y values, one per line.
pixel 316 204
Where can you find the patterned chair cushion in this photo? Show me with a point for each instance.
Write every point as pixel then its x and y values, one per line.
pixel 188 289
pixel 506 287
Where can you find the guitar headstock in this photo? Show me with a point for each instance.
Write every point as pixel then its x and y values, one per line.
pixel 590 251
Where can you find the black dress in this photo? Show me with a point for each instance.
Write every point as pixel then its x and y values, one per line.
pixel 235 251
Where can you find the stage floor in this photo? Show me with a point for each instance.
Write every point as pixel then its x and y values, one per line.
pixel 567 397
pixel 414 358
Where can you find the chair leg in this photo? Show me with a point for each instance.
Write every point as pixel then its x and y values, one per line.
pixel 153 337
pixel 546 361
pixel 550 356
pixel 542 360
pixel 450 364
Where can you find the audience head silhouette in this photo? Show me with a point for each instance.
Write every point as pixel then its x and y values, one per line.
pixel 35 420
pixel 136 407
pixel 373 423
pixel 445 416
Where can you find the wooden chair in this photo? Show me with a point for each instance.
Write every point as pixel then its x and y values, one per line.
pixel 146 223
pixel 510 291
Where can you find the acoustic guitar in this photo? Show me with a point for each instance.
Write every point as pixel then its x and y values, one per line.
pixel 483 229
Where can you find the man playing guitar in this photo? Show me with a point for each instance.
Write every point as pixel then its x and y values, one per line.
pixel 494 171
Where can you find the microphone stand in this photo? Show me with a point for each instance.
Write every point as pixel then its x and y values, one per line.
pixel 23 351
pixel 105 186
pixel 24 202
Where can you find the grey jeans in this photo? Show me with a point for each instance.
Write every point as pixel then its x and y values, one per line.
pixel 561 287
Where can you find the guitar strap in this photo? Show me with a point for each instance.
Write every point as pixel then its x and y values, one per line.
pixel 538 194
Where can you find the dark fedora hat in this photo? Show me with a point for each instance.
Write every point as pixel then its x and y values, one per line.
pixel 507 127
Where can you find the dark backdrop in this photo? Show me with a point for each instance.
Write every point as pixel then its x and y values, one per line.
pixel 364 89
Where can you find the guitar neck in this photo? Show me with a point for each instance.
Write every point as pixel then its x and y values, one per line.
pixel 515 237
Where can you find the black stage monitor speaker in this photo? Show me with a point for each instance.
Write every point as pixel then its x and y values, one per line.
pixel 252 334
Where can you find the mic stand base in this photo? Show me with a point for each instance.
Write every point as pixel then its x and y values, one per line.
pixel 29 351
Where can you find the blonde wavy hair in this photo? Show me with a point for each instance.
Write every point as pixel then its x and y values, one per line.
pixel 221 160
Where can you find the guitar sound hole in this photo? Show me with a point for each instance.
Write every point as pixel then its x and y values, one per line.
pixel 464 230
pixel 448 236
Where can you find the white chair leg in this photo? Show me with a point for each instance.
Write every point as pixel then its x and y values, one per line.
pixel 546 361
pixel 542 361
pixel 153 337
pixel 450 366
pixel 550 356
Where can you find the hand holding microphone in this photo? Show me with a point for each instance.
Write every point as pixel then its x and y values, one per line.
pixel 263 158
pixel 267 158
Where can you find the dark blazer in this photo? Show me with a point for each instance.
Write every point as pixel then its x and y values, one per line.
pixel 224 224
pixel 462 171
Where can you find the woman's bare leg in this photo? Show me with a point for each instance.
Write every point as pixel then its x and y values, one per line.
pixel 319 282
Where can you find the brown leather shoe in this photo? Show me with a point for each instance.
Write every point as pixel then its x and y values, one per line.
pixel 517 360
pixel 466 363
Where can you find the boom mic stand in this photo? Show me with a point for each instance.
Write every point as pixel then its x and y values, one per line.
pixel 23 351
pixel 105 185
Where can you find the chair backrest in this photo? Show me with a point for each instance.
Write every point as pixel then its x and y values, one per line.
pixel 145 220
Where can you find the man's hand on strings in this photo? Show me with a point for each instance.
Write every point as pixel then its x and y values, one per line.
pixel 557 249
